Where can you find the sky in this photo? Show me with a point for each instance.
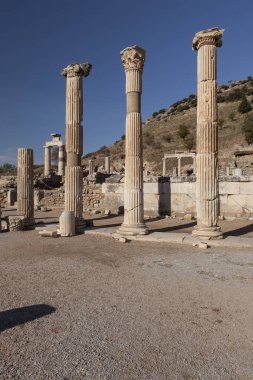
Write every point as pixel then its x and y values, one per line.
pixel 40 37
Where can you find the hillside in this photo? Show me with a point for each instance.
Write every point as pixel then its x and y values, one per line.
pixel 160 132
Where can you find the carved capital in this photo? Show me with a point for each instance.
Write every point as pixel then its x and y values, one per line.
pixel 77 70
pixel 133 58
pixel 208 37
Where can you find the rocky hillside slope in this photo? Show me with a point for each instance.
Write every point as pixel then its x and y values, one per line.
pixel 161 131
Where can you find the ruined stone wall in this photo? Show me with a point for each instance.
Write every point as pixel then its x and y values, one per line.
pixel 177 195
pixel 92 196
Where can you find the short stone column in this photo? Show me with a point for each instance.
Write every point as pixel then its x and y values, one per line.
pixel 47 163
pixel 74 138
pixel 164 167
pixel 179 166
pixel 207 186
pixel 133 59
pixel 91 167
pixel 25 200
pixel 107 165
pixel 61 161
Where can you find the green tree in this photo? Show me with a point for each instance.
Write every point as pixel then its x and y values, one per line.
pixel 247 129
pixel 244 106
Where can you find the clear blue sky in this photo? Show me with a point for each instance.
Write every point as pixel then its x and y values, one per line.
pixel 40 37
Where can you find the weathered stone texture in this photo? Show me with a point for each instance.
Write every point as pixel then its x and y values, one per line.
pixel 25 200
pixel 133 59
pixel 207 134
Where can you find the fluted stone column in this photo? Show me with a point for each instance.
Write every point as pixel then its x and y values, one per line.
pixel 25 200
pixel 61 161
pixel 107 165
pixel 74 111
pixel 47 163
pixel 74 186
pixel 133 59
pixel 207 186
pixel 74 138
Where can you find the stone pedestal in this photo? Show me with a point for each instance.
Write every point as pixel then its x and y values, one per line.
pixel 15 223
pixel 74 138
pixel 207 190
pixel 133 59
pixel 25 202
pixel 107 165
pixel 47 164
pixel 61 161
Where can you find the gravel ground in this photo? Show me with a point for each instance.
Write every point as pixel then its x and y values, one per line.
pixel 90 307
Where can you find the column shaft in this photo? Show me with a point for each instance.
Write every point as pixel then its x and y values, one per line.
pixel 207 191
pixel 133 61
pixel 47 164
pixel 74 190
pixel 61 161
pixel 25 200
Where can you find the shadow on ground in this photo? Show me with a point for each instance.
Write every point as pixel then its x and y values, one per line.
pixel 14 317
pixel 240 231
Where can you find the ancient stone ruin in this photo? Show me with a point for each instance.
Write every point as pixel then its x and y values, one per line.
pixel 98 188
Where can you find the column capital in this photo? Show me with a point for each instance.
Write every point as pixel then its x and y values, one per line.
pixel 133 57
pixel 77 70
pixel 208 37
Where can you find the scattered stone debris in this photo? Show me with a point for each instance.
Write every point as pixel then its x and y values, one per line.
pixel 48 233
pixel 188 217
pixel 203 245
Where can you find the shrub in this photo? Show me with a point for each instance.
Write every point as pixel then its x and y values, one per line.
pixel 221 123
pixel 183 131
pixel 155 114
pixel 247 129
pixel 189 141
pixel 162 110
pixel 244 106
pixel 167 137
pixel 232 116
pixel 123 137
pixel 235 95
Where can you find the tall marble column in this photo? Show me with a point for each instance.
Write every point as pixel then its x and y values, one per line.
pixel 133 59
pixel 61 160
pixel 207 185
pixel 25 200
pixel 74 138
pixel 47 163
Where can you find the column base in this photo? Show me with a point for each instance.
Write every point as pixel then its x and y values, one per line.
pixel 208 232
pixel 29 222
pixel 80 225
pixel 131 230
